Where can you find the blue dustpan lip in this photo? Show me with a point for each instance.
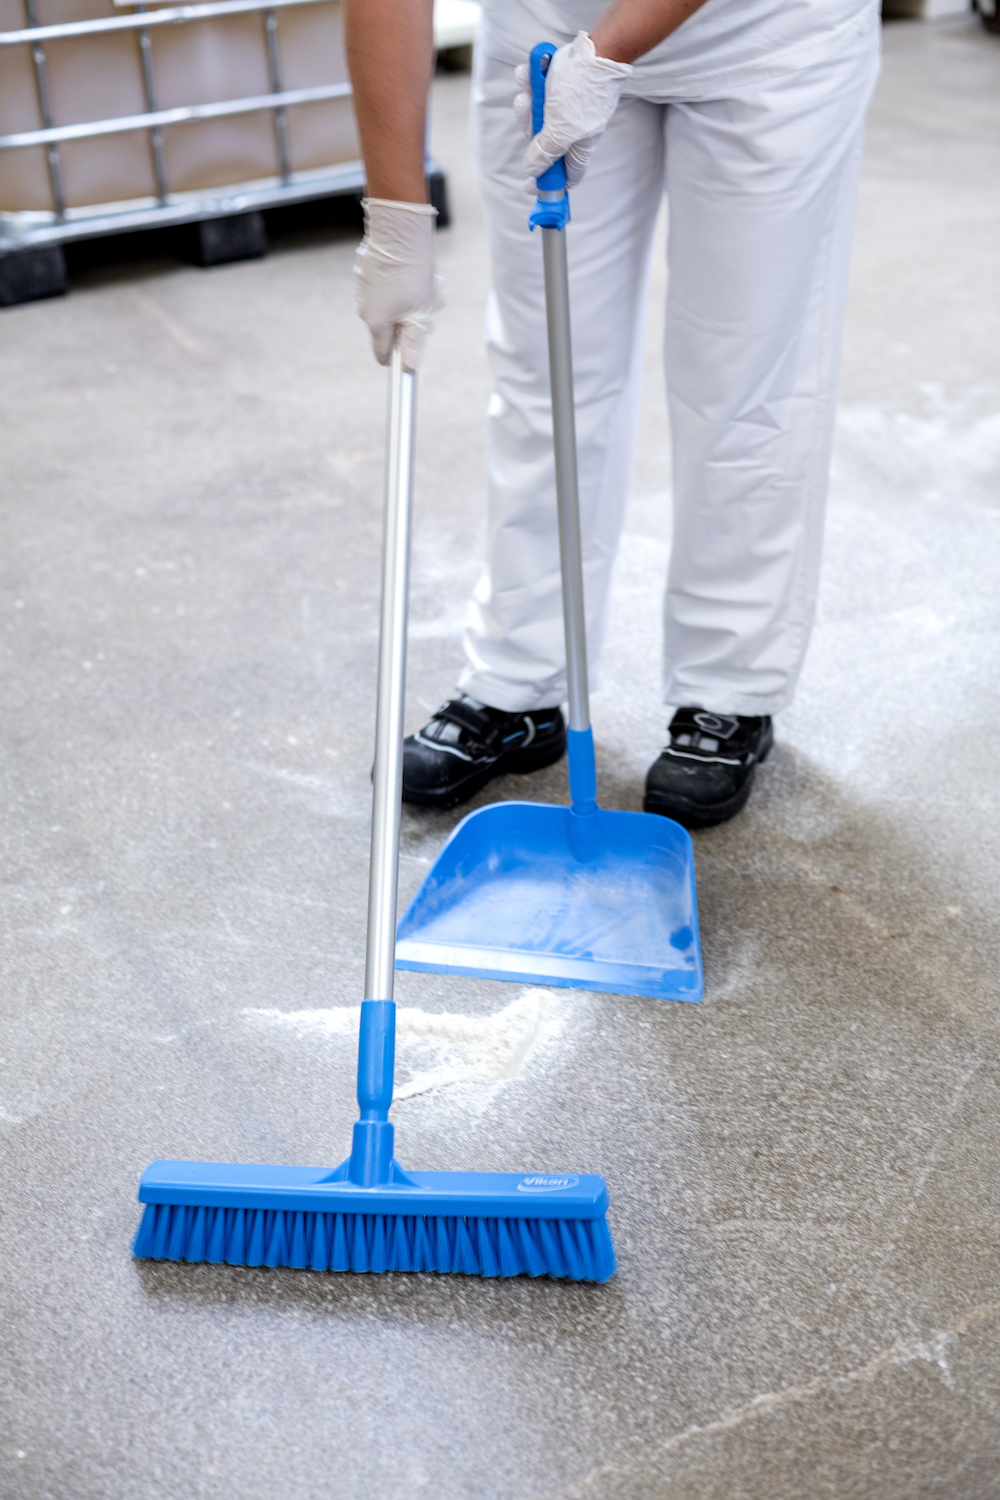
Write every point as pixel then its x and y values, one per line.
pixel 507 1195
pixel 608 976
pixel 489 808
pixel 604 979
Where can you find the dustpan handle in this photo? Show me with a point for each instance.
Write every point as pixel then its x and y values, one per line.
pixel 551 215
pixel 567 484
pixel 383 878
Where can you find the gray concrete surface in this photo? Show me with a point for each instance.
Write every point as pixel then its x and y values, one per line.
pixel 803 1170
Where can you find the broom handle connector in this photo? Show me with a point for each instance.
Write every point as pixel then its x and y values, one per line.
pixel 383 879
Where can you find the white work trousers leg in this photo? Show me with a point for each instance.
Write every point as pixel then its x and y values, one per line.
pixel 761 190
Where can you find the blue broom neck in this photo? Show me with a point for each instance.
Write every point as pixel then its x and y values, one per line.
pixel 376 1058
pixel 370 1162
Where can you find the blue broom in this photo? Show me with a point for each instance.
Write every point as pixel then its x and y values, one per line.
pixel 368 1214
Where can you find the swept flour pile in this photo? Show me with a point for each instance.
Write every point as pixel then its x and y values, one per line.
pixel 446 1048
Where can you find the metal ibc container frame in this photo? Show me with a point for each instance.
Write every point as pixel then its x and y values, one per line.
pixel 180 114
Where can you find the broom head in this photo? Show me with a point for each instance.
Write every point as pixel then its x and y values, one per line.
pixel 478 1223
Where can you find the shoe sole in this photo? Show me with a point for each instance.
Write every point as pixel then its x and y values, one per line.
pixel 517 764
pixel 695 815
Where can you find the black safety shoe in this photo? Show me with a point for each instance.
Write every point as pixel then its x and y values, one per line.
pixel 466 744
pixel 705 771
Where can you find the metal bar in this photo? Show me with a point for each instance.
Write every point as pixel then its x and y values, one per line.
pixel 383 877
pixel 52 158
pixel 149 90
pixel 274 73
pixel 567 484
pixel 175 16
pixel 30 228
pixel 180 115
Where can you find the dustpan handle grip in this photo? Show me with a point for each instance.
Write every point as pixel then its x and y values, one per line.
pixel 383 879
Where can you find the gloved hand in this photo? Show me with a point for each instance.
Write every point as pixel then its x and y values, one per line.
pixel 395 288
pixel 581 94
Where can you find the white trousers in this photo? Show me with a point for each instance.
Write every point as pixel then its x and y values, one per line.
pixel 761 188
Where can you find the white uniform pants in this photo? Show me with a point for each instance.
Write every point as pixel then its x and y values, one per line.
pixel 761 187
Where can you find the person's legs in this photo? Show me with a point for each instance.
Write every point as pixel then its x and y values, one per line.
pixel 514 641
pixel 761 191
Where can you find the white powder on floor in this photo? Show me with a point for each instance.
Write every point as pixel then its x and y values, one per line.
pixel 458 1048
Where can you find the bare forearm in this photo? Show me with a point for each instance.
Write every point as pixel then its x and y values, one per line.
pixel 390 49
pixel 630 28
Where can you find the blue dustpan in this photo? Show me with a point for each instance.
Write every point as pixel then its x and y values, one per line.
pixel 575 896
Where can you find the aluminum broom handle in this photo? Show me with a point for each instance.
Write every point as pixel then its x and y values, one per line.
pixel 383 878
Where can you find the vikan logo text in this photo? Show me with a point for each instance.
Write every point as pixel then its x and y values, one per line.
pixel 546 1184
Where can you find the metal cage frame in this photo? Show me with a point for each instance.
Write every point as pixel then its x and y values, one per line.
pixel 29 229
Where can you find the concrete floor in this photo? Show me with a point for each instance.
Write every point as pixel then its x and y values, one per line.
pixel 803 1170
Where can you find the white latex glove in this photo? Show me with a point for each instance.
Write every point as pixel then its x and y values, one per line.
pixel 395 287
pixel 582 92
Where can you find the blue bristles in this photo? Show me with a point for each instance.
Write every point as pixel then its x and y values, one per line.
pixel 576 1249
